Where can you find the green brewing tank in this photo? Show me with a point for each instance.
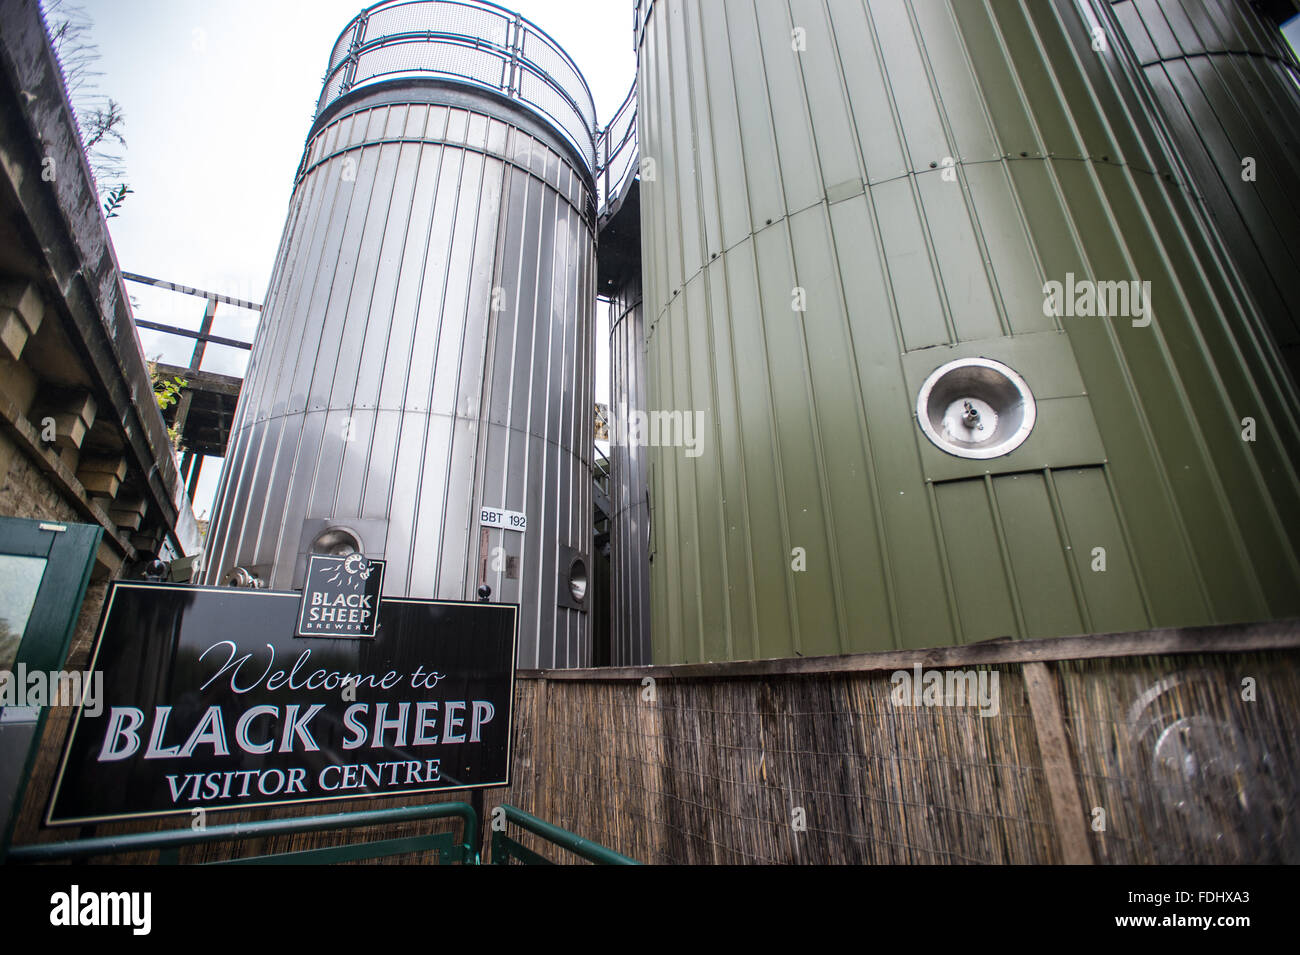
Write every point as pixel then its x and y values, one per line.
pixel 1228 88
pixel 875 237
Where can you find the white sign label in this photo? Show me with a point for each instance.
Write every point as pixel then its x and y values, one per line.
pixel 496 517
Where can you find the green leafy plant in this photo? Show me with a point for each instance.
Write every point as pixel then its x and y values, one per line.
pixel 115 197
pixel 167 391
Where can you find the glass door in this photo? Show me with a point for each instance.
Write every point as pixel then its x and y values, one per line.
pixel 44 569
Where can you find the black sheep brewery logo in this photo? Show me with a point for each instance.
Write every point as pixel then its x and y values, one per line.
pixel 341 597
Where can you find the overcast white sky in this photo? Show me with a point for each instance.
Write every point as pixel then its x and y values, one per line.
pixel 218 96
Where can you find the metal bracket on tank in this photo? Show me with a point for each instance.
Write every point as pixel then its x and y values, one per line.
pixel 242 577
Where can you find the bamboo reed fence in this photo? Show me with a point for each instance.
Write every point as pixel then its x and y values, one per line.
pixel 1155 747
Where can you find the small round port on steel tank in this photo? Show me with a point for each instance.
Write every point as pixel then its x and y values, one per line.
pixel 975 408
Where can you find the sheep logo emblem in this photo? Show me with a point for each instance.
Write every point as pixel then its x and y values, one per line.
pixel 340 597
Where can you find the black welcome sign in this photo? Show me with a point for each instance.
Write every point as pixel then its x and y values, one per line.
pixel 210 701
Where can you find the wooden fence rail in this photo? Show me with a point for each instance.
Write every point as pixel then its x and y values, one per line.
pixel 1155 747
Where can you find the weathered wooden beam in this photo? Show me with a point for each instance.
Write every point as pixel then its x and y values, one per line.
pixel 192 476
pixel 1221 638
pixel 203 381
pixel 205 334
pixel 202 337
pixel 189 290
pixel 183 405
pixel 1058 765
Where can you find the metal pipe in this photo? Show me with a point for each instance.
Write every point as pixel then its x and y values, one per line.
pixel 591 851
pixel 175 838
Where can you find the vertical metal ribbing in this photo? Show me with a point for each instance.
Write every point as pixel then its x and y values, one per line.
pixel 419 359
pixel 1228 87
pixel 849 195
pixel 628 493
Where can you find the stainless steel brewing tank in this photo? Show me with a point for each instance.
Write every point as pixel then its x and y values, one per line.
pixel 426 351
pixel 629 498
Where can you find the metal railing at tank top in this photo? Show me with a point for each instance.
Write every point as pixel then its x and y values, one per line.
pixel 617 153
pixel 484 45
pixel 470 41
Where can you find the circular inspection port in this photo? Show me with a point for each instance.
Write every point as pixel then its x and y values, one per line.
pixel 975 408
pixel 578 580
pixel 336 542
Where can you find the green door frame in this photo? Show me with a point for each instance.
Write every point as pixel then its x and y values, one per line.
pixel 69 554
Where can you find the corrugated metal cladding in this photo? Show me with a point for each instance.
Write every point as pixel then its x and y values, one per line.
pixel 845 197
pixel 426 349
pixel 629 531
pixel 1229 87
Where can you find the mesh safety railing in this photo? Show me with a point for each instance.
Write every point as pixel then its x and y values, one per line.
pixel 471 41
pixel 617 152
